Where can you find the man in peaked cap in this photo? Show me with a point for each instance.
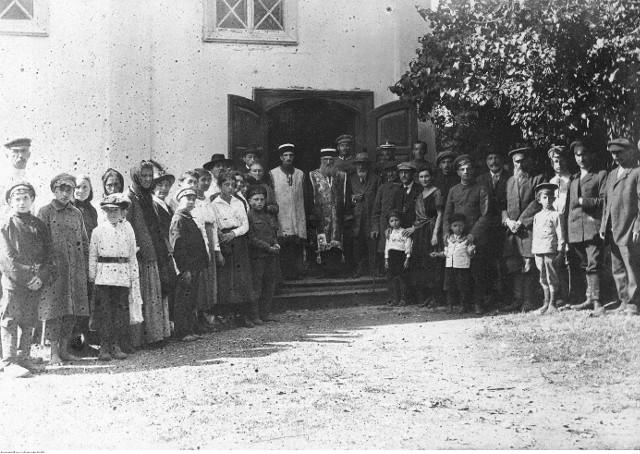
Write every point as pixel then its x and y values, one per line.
pixel 17 152
pixel 345 144
pixel 471 200
pixel 362 187
pixel 329 187
pixel 388 151
pixel 517 219
pixel 289 187
pixel 620 225
pixel 446 178
pixel 385 201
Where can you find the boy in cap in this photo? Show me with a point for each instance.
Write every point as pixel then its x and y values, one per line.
pixel 620 225
pixel 548 245
pixel 263 248
pixel 27 263
pixel 113 268
pixel 191 257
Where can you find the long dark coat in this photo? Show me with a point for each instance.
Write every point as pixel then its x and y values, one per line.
pixel 622 206
pixel 521 206
pixel 583 221
pixel 362 210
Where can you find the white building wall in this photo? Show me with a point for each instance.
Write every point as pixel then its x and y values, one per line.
pixel 117 81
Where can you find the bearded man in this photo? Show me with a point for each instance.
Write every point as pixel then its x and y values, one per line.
pixel 329 187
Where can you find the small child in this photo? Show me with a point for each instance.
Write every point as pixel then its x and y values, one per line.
pixel 113 268
pixel 263 249
pixel 397 252
pixel 26 263
pixel 191 257
pixel 548 245
pixel 458 253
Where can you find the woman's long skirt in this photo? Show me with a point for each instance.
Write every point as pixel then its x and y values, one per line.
pixel 155 308
pixel 234 278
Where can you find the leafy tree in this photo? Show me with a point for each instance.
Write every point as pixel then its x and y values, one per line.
pixel 551 69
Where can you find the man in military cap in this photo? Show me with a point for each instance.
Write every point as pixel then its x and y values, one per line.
pixel 385 201
pixel 620 225
pixel 446 178
pixel 472 200
pixel 329 187
pixel 388 151
pixel 345 145
pixel 517 219
pixel 362 187
pixel 17 152
pixel 419 151
pixel 289 190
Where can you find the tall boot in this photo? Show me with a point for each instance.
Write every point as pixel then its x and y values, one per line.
pixel 9 334
pixel 518 293
pixel 391 288
pixel 397 291
pixel 552 302
pixel 588 301
pixel 593 283
pixel 54 327
pixel 66 333
pixel 450 301
pixel 464 302
pixel 529 292
pixel 547 299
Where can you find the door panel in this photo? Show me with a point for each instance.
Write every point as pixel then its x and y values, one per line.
pixel 247 128
pixel 396 122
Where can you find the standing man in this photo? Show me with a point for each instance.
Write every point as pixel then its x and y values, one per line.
pixel 382 205
pixel 419 151
pixel 495 182
pixel 345 145
pixel 288 187
pixel 18 152
pixel 362 187
pixel 583 216
pixel 329 196
pixel 518 220
pixel 446 177
pixel 250 155
pixel 471 200
pixel 621 222
pixel 388 150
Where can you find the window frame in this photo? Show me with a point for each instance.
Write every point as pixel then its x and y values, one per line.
pixel 38 26
pixel 287 37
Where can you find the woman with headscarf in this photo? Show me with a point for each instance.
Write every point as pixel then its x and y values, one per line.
pixel 153 255
pixel 112 182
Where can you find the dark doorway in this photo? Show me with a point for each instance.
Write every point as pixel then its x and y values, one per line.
pixel 310 124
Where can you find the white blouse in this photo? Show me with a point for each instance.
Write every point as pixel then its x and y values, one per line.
pixel 117 241
pixel 203 213
pixel 231 215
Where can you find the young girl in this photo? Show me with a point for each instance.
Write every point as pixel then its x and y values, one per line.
pixel 26 263
pixel 547 245
pixel 66 297
pixel 458 252
pixel 234 278
pixel 397 253
pixel 113 268
pixel 427 271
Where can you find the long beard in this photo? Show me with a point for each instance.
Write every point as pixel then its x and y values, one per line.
pixel 520 174
pixel 327 170
pixel 362 174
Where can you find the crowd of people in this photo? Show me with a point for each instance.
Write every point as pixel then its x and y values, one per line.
pixel 174 257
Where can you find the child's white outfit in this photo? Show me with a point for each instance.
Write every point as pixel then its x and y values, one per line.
pixel 548 240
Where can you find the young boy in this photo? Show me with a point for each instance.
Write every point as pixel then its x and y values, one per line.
pixel 458 253
pixel 397 253
pixel 26 263
pixel 191 257
pixel 263 248
pixel 548 245
pixel 113 268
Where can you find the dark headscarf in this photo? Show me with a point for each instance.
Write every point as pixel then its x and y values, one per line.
pixel 111 172
pixel 89 213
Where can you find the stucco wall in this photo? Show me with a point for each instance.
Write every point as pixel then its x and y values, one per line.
pixel 117 81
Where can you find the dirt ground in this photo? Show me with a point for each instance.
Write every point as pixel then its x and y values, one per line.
pixel 350 378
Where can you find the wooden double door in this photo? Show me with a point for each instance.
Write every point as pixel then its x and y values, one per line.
pixel 312 120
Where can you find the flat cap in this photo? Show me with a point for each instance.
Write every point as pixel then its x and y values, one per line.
pixel 185 192
pixel 344 138
pixel 250 149
pixel 19 143
pixel 63 179
pixel 388 165
pixel 522 150
pixel 256 189
pixel 362 157
pixel 579 145
pixel 21 187
pixel 462 159
pixel 444 154
pixel 115 200
pixel 406 166
pixel 328 153
pixel 546 187
pixel 619 144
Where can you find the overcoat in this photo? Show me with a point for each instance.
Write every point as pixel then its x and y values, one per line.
pixel 362 210
pixel 521 206
pixel 583 221
pixel 622 205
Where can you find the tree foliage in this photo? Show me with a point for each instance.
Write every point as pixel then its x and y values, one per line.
pixel 552 69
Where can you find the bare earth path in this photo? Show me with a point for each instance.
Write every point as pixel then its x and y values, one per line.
pixel 361 377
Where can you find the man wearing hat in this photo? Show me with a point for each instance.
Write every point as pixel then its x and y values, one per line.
pixel 217 163
pixel 329 197
pixel 471 200
pixel 388 151
pixel 289 191
pixel 362 187
pixel 446 177
pixel 583 216
pixel 345 145
pixel 419 151
pixel 385 201
pixel 620 225
pixel 17 152
pixel 517 219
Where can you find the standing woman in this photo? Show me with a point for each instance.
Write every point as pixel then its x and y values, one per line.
pixel 144 220
pixel 112 182
pixel 65 298
pixel 426 270
pixel 234 277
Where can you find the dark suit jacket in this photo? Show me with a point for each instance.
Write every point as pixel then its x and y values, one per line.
pixel 622 206
pixel 362 210
pixel 583 221
pixel 521 206
pixel 473 202
pixel 406 203
pixel 384 202
pixel 497 194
